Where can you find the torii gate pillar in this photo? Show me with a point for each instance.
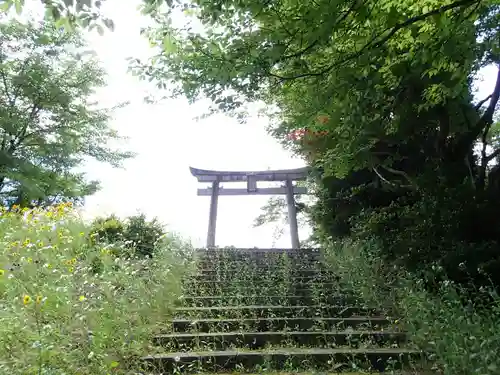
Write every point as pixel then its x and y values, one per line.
pixel 292 215
pixel 251 178
pixel 212 221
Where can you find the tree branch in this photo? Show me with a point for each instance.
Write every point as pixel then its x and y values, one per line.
pixel 341 19
pixel 493 155
pixel 485 121
pixel 480 104
pixel 373 43
pixel 411 186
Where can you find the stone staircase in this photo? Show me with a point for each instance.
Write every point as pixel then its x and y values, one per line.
pixel 255 310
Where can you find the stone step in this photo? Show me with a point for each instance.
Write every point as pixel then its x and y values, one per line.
pixel 267 265
pixel 258 340
pixel 273 311
pixel 245 285
pixel 259 256
pixel 324 358
pixel 260 282
pixel 263 278
pixel 313 293
pixel 253 251
pixel 278 324
pixel 224 300
pixel 229 270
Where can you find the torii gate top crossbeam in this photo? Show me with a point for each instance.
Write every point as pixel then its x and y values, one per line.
pixel 203 175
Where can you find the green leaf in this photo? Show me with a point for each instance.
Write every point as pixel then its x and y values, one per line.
pixel 168 44
pixel 109 24
pixel 100 30
pixel 19 4
pixel 6 5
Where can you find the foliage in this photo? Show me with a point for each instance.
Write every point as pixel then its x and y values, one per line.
pixel 59 316
pixel 49 124
pixel 275 211
pixel 460 340
pixel 67 13
pixel 406 154
pixel 136 232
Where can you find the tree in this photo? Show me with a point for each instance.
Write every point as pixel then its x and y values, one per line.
pixel 355 62
pixel 67 13
pixel 275 212
pixel 388 83
pixel 48 124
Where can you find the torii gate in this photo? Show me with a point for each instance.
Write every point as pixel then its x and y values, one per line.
pixel 251 178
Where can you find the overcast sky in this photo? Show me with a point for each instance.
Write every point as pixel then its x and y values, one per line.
pixel 168 140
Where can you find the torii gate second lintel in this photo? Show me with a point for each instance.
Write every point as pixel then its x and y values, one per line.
pixel 251 178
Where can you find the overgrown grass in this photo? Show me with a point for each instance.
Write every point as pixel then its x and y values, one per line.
pixel 69 305
pixel 461 339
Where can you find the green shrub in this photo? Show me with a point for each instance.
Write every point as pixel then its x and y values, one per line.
pixel 139 235
pixel 69 306
pixel 461 338
pixel 143 235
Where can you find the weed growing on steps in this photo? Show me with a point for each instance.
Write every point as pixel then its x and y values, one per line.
pixel 68 306
pixel 292 309
pixel 462 339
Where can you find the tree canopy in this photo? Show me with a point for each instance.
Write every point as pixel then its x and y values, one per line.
pixel 49 123
pixel 406 153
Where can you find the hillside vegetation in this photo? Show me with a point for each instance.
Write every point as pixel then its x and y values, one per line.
pixel 71 304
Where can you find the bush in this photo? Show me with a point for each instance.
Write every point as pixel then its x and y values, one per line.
pixel 71 307
pixel 139 235
pixel 461 339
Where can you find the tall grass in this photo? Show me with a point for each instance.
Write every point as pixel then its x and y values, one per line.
pixel 461 338
pixel 69 305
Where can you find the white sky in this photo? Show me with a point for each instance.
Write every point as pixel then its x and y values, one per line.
pixel 168 140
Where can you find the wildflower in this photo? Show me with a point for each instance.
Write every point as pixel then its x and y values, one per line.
pixel 82 234
pixel 39 300
pixel 70 269
pixel 26 300
pixel 2 272
pixel 82 298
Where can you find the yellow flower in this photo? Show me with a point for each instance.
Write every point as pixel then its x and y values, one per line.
pixel 29 260
pixel 82 298
pixel 73 261
pixel 2 272
pixel 26 300
pixel 70 269
pixel 82 234
pixel 39 299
